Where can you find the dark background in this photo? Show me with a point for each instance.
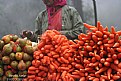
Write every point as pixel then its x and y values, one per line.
pixel 17 15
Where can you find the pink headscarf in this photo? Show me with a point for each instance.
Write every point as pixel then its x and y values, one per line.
pixel 52 9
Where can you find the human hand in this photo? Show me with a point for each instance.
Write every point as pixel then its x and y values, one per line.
pixel 26 33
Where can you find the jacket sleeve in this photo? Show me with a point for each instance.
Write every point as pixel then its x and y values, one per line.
pixel 77 25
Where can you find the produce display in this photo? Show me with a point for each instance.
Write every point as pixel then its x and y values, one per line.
pixel 94 56
pixel 16 55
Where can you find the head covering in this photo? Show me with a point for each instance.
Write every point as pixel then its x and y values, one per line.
pixel 52 9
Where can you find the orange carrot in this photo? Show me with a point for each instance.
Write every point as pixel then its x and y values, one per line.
pixel 115 77
pixel 96 79
pixel 119 65
pixel 94 37
pixel 109 73
pixel 31 76
pixel 99 42
pixel 111 41
pixel 31 72
pixel 32 68
pixel 106 33
pixel 99 33
pixel 116 61
pixel 118 32
pixel 111 36
pixel 114 56
pixel 82 79
pixel 116 37
pixel 43 68
pixel 113 30
pixel 64 60
pixel 119 55
pixel 109 59
pixel 79 66
pixel 107 64
pixel 88 26
pixel 58 76
pixel 52 67
pixel 101 70
pixel 118 49
pixel 115 67
pixel 116 44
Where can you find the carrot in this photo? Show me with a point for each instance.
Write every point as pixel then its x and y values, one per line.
pixel 82 79
pixel 115 67
pixel 106 33
pixel 88 69
pixel 111 41
pixel 99 26
pixel 31 76
pixel 94 29
pixel 88 26
pixel 75 76
pixel 119 65
pixel 64 68
pixel 52 67
pixel 97 57
pixel 116 61
pixel 99 42
pixel 116 37
pixel 109 59
pixel 118 49
pixel 93 59
pixel 43 68
pixel 107 64
pixel 118 32
pixel 106 28
pixel 111 36
pixel 64 60
pixel 38 79
pixel 116 44
pixel 109 73
pixel 40 73
pixel 32 68
pixel 102 60
pixel 41 44
pixel 113 31
pixel 99 33
pixel 105 36
pixel 101 70
pixel 94 37
pixel 114 56
pixel 102 79
pixel 105 41
pixel 115 77
pixel 54 76
pixel 58 76
pixel 79 66
pixel 119 55
pixel 96 79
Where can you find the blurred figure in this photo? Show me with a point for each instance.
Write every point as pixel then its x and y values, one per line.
pixel 59 16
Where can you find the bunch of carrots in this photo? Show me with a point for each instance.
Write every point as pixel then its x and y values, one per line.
pixel 101 53
pixel 94 56
pixel 55 59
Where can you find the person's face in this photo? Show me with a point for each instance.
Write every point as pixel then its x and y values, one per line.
pixel 48 2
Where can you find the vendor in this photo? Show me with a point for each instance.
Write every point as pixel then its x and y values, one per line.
pixel 59 16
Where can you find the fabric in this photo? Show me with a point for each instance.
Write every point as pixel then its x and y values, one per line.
pixel 52 9
pixel 72 24
pixel 56 21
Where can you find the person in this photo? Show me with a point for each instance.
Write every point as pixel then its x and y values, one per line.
pixel 59 16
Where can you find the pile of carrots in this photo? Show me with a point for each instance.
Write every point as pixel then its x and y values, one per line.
pixel 100 49
pixel 54 60
pixel 95 56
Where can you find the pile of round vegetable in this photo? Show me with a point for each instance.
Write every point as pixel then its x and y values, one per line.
pixel 94 56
